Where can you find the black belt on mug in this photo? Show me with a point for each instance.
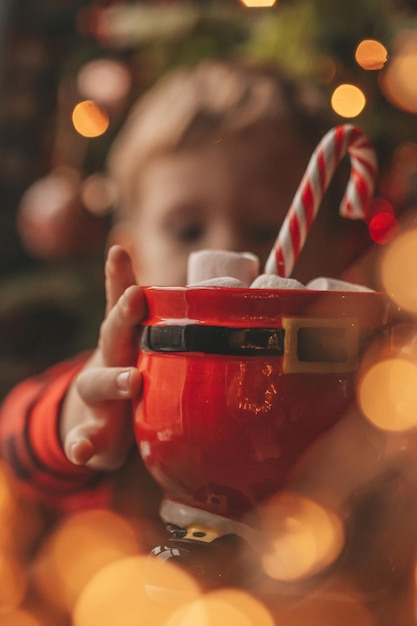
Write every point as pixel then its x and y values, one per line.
pixel 320 344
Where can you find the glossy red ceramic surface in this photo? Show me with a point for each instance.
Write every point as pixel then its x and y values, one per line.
pixel 221 431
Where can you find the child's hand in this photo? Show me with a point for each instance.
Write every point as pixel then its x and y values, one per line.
pixel 96 422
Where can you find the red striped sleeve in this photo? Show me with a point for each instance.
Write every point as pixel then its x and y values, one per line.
pixel 29 436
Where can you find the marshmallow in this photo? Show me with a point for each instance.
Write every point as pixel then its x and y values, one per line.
pixel 323 283
pixel 223 281
pixel 208 264
pixel 272 281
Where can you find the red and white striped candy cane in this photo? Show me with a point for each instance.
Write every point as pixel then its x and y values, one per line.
pixel 339 141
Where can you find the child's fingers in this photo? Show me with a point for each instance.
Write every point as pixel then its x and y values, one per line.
pixel 118 333
pixel 84 446
pixel 79 450
pixel 109 383
pixel 118 275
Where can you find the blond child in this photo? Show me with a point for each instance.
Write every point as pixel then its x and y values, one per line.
pixel 209 158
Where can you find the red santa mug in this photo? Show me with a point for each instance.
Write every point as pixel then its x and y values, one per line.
pixel 237 383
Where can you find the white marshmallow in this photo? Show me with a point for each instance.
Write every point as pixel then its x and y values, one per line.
pixel 223 281
pixel 208 264
pixel 272 281
pixel 323 283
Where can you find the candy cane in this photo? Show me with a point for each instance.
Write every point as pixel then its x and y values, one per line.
pixel 320 170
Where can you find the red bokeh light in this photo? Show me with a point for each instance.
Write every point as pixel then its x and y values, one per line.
pixel 381 220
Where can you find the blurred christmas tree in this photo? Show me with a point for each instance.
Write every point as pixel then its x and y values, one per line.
pixel 58 41
pixel 56 205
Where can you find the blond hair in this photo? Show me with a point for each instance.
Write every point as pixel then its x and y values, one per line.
pixel 196 106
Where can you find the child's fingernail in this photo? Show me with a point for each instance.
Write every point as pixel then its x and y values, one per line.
pixel 123 380
pixel 80 452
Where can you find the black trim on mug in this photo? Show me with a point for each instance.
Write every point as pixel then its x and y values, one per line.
pixel 306 345
pixel 213 340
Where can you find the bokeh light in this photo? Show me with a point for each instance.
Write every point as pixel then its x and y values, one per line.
pixel 17 530
pixel 382 223
pixel 13 581
pixel 78 549
pixel 415 590
pixel 119 594
pixel 397 81
pixel 104 80
pixel 258 3
pixel 387 394
pixel 97 194
pixel 398 274
pixel 226 606
pixel 371 54
pixel 302 538
pixel 90 119
pixel 8 510
pixel 21 524
pixel 348 100
pixel 19 618
pixel 325 610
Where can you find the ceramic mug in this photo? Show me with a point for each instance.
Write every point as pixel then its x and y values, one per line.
pixel 237 383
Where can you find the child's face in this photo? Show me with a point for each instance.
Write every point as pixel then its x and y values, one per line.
pixel 226 196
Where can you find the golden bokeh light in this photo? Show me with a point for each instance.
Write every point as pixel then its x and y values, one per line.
pixel 78 549
pixel 325 610
pixel 386 394
pixel 371 54
pixel 90 119
pixel 19 618
pixel 7 496
pixel 397 270
pixel 302 537
pixel 258 3
pixel 10 530
pixel 348 100
pixel 20 516
pixel 226 606
pixel 124 592
pixel 415 591
pixel 397 81
pixel 13 582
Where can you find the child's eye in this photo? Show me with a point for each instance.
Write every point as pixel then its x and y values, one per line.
pixel 186 232
pixel 264 233
pixel 190 233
